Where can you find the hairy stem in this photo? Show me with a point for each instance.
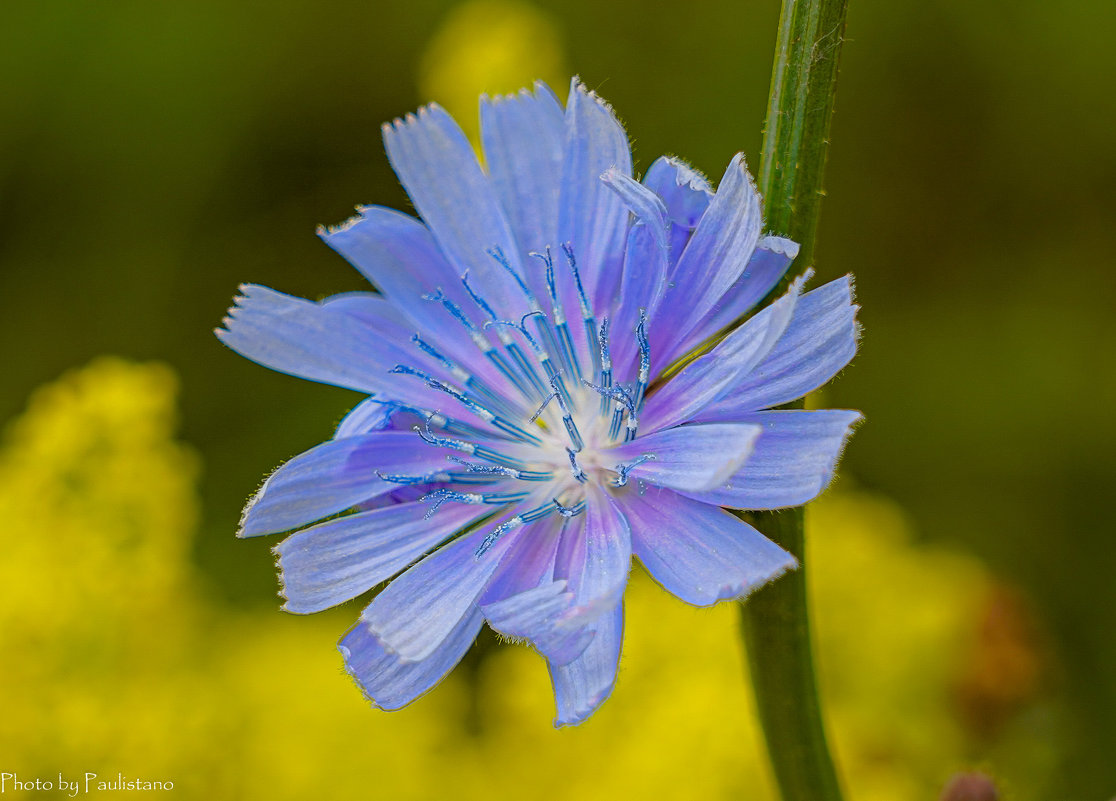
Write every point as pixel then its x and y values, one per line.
pixel 775 621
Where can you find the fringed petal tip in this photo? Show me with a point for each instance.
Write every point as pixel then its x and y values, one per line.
pixel 794 460
pixel 581 686
pixel 780 245
pixel 573 711
pixel 246 294
pixel 539 87
pixel 354 649
pixel 242 525
pixel 688 176
pixel 421 114
pixel 364 658
pixel 798 283
pixel 575 717
pixel 742 591
pixel 326 231
pixel 390 682
pixel 290 600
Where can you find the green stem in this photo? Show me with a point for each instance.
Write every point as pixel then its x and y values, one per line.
pixel 777 628
pixel 799 111
pixel 775 620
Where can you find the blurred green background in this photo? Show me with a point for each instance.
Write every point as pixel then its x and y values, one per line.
pixel 155 155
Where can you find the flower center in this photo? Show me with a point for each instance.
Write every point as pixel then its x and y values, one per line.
pixel 548 458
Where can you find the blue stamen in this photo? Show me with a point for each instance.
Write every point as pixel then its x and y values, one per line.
pixel 587 318
pixel 438 296
pixel 502 260
pixel 644 358
pixel 435 419
pixel 552 373
pixel 522 475
pixel 465 477
pixel 464 377
pixel 586 310
pixel 519 520
pixel 623 401
pixel 442 496
pixel 491 537
pixel 541 322
pixel 567 417
pixel 506 340
pixel 551 288
pixel 457 395
pixel 484 452
pixel 525 367
pixel 479 410
pixel 520 327
pixel 443 442
pixel 570 511
pixel 563 344
pixel 477 299
pixel 606 365
pixel 569 352
pixel 632 427
pixel 432 352
pixel 433 478
pixel 578 473
pixel 478 337
pixel 622 470
pixel 541 409
pixel 507 372
pixel 480 451
pixel 644 374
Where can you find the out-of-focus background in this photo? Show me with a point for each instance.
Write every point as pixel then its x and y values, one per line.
pixel 155 155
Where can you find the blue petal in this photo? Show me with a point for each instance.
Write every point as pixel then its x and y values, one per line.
pixel 709 377
pixel 524 601
pixel 526 613
pixel 590 216
pixel 352 340
pixel 792 462
pixel 643 203
pixel 581 686
pixel 685 191
pixel 690 457
pixel 438 168
pixel 391 682
pixel 524 138
pixel 769 262
pixel 398 254
pixel 686 194
pixel 533 615
pixel 597 558
pixel 700 552
pixel 369 415
pixel 818 343
pixel 317 341
pixel 715 256
pixel 335 476
pixel 529 563
pixel 420 608
pixel 332 562
pixel 645 270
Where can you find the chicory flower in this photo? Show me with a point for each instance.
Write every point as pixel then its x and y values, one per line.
pixel 536 414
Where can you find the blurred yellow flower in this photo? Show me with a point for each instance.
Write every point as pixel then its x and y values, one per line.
pixel 115 660
pixel 492 46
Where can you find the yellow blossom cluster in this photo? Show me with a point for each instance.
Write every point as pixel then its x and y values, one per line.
pixel 115 660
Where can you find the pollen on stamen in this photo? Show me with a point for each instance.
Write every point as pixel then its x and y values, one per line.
pixel 622 470
pixel 578 473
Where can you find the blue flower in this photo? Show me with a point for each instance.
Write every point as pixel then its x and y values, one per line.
pixel 528 428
